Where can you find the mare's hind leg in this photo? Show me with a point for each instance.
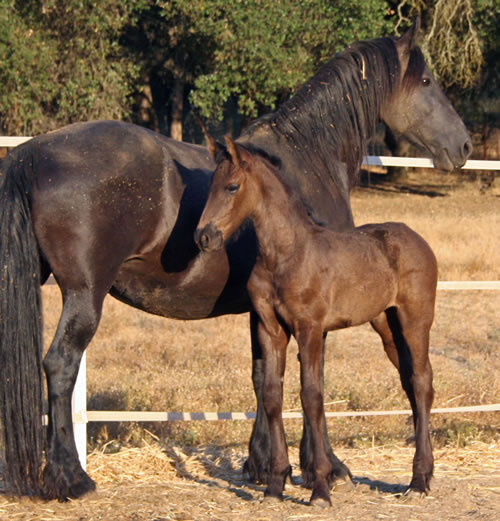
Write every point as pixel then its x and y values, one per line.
pixel 405 335
pixel 63 475
pixel 339 470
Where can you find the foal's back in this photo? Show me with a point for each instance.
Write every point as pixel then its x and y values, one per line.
pixel 373 268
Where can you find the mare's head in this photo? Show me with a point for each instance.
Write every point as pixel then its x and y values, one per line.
pixel 334 115
pixel 233 194
pixel 419 110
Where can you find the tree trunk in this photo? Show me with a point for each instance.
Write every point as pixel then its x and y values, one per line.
pixel 177 110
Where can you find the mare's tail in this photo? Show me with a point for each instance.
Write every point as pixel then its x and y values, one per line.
pixel 21 382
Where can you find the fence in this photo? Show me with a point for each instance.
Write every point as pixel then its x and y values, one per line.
pixel 81 416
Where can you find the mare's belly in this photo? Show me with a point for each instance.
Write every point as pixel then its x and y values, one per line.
pixel 202 290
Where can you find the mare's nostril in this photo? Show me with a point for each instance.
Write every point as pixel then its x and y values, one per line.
pixel 467 149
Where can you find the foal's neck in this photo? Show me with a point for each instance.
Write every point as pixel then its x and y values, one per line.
pixel 280 218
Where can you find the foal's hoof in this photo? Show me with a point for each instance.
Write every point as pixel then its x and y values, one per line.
pixel 419 485
pixel 270 500
pixel 345 484
pixel 320 502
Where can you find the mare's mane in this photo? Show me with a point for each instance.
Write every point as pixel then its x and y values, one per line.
pixel 333 116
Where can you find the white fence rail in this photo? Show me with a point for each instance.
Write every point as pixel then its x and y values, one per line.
pixel 422 162
pixel 81 416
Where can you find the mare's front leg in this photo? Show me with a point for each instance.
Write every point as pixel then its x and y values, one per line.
pixel 258 464
pixel 274 339
pixel 310 340
pixel 63 474
pixel 339 469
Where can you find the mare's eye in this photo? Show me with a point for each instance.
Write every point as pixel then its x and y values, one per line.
pixel 232 188
pixel 426 82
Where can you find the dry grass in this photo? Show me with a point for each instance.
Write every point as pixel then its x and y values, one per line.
pixel 205 483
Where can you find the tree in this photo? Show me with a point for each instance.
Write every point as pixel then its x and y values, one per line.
pixel 265 49
pixel 250 53
pixel 60 61
pixel 171 49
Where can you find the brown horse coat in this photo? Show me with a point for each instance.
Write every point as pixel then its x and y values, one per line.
pixel 309 280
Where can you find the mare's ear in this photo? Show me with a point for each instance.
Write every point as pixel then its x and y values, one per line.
pixel 407 43
pixel 237 153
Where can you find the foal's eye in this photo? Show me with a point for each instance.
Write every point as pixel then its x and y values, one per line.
pixel 232 188
pixel 426 82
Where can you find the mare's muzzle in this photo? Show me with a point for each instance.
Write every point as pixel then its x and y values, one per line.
pixel 209 238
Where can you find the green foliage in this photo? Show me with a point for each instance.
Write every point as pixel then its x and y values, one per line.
pixel 265 49
pixel 70 60
pixel 60 61
pixel 24 71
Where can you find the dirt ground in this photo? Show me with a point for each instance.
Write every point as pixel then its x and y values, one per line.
pixel 151 484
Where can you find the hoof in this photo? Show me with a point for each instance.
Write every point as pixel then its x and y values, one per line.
pixel 412 493
pixel 63 484
pixel 345 484
pixel 340 472
pixel 420 484
pixel 256 473
pixel 269 499
pixel 320 502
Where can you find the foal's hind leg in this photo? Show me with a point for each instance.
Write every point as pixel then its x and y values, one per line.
pixel 405 336
pixel 63 475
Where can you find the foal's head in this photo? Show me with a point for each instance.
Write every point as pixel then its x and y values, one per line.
pixel 233 195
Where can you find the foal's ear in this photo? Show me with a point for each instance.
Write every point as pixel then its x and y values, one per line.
pixel 408 42
pixel 213 146
pixel 237 153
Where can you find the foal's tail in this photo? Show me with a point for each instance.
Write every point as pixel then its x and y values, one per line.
pixel 21 383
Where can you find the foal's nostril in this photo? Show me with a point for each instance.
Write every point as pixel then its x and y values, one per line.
pixel 204 240
pixel 209 238
pixel 201 238
pixel 467 149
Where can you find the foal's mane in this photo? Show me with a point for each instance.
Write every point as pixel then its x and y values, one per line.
pixel 332 117
pixel 271 165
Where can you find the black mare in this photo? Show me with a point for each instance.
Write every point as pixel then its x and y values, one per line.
pixel 109 207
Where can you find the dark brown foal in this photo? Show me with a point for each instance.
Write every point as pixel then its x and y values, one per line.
pixel 309 280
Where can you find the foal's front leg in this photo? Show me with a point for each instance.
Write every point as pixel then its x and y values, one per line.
pixel 339 469
pixel 274 341
pixel 310 340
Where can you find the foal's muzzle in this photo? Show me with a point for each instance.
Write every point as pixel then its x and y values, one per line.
pixel 209 238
